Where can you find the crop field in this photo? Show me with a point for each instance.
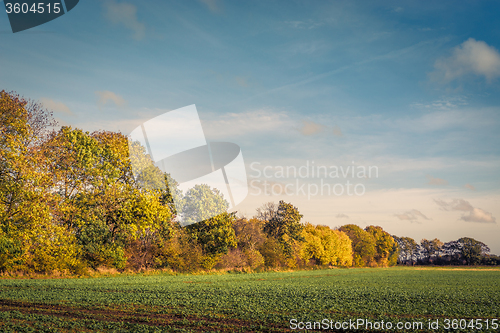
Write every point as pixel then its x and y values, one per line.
pixel 259 302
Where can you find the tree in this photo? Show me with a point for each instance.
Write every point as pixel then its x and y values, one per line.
pixel 363 245
pixel 285 227
pixel 208 222
pixel 408 249
pixel 267 211
pixel 30 238
pixel 326 246
pixel 384 244
pixel 215 236
pixel 430 248
pixel 201 203
pixel 249 233
pixel 472 250
pixel 98 198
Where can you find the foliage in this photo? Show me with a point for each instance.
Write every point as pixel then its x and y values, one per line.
pixel 267 211
pixel 386 247
pixel 30 238
pixel 408 249
pixel 326 246
pixel 71 199
pixel 201 203
pixel 430 248
pixel 364 246
pixel 285 227
pixel 472 250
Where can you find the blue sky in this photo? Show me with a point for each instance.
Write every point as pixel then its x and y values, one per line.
pixel 412 89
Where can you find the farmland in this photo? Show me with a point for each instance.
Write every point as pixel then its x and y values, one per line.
pixel 259 302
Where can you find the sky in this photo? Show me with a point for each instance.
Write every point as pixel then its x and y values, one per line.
pixel 410 90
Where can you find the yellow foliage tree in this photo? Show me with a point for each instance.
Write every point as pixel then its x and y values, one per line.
pixel 326 246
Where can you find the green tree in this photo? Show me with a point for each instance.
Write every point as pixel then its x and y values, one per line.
pixel 363 245
pixel 408 249
pixel 208 223
pixel 430 248
pixel 472 250
pixel 201 203
pixel 385 245
pixel 285 227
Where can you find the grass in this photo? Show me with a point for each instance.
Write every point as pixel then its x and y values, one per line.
pixel 259 302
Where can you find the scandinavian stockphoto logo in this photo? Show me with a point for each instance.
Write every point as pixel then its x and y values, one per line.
pixel 26 14
pixel 176 145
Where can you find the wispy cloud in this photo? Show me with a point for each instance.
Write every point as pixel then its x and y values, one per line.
pixel 55 106
pixel 311 128
pixel 109 96
pixel 124 14
pixel 337 131
pixel 307 24
pixel 456 204
pixel 213 5
pixel 412 216
pixel 436 181
pixel 308 47
pixel 444 104
pixel 387 56
pixel 472 214
pixel 470 187
pixel 472 57
pixel 342 216
pixel 251 122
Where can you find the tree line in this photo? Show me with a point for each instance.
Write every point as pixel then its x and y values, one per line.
pixel 464 251
pixel 69 202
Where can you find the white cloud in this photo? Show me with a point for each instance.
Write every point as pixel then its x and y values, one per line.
pixel 311 128
pixel 55 105
pixel 473 214
pixel 436 181
pixel 251 122
pixel 124 14
pixel 412 216
pixel 479 215
pixel 109 96
pixel 471 57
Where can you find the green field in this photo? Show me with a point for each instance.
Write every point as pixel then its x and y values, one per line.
pixel 260 302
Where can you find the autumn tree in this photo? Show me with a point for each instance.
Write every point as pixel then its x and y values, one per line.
pixel 99 198
pixel 208 222
pixel 363 245
pixel 386 247
pixel 285 227
pixel 267 211
pixel 30 239
pixel 326 246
